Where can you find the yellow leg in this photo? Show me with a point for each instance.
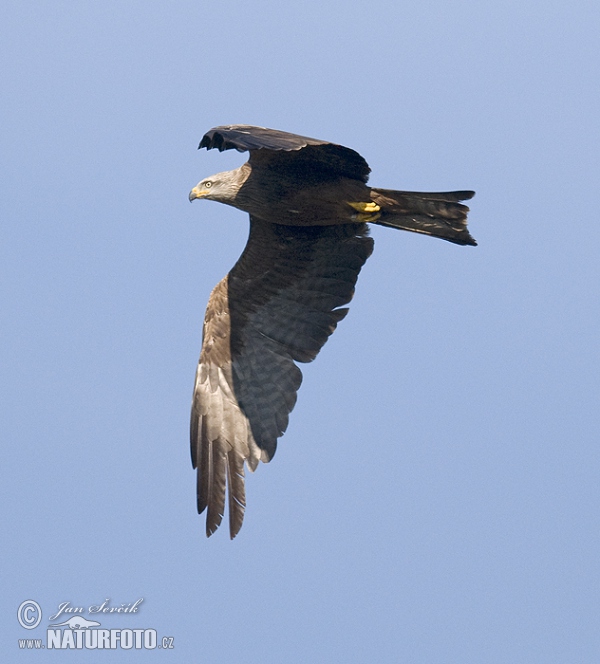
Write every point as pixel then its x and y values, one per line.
pixel 365 207
pixel 364 217
pixel 366 211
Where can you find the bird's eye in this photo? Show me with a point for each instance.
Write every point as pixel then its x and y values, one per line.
pixel 208 184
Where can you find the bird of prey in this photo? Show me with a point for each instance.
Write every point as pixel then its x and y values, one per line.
pixel 309 207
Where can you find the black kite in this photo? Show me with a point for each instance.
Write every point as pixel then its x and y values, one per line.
pixel 309 206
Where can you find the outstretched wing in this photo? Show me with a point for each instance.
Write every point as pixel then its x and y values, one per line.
pixel 270 148
pixel 277 306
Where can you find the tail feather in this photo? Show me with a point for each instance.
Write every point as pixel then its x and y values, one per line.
pixel 439 214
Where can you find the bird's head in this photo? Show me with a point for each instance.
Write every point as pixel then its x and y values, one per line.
pixel 222 187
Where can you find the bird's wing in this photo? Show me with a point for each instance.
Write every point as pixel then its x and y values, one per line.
pixel 277 306
pixel 271 148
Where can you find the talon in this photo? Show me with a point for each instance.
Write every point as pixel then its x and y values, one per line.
pixel 365 207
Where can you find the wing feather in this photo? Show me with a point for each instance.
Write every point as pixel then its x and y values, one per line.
pixel 277 306
pixel 274 149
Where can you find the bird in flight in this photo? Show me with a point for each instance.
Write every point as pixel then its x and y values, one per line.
pixel 309 206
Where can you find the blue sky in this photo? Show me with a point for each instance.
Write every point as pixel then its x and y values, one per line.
pixel 435 499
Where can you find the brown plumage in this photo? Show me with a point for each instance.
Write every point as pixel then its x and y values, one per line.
pixel 309 206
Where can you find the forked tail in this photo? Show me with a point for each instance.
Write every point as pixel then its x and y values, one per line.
pixel 437 214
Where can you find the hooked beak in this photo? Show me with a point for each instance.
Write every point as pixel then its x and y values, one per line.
pixel 197 193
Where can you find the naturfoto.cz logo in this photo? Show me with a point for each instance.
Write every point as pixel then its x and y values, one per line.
pixel 75 632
